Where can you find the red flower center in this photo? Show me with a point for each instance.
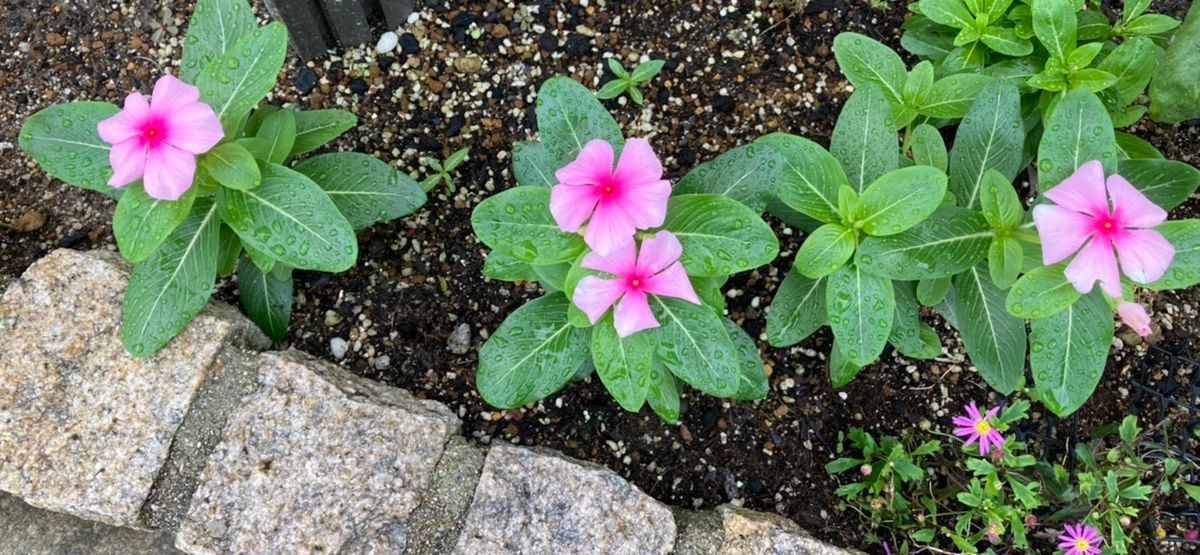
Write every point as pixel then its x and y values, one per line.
pixel 154 132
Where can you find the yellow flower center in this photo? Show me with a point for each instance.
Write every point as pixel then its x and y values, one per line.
pixel 982 427
pixel 1082 545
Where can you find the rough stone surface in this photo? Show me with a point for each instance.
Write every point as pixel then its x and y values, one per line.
pixel 533 501
pixel 699 532
pixel 748 531
pixel 316 460
pixel 436 525
pixel 26 530
pixel 84 427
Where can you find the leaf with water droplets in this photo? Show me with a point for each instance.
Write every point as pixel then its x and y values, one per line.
pixel 909 335
pixel 1079 130
pixel 1069 352
pixel 863 140
pixel 215 26
pixel 1173 94
pixel 279 130
pixel 991 137
pixel 532 166
pixel 866 61
pixel 172 286
pixel 841 369
pixel 518 223
pixel 141 223
pixel 1041 293
pixel 953 95
pixel 861 309
pixel 365 189
pixel 1005 257
pixel 315 128
pixel 1167 183
pixel 825 250
pixel 230 248
pixel 532 354
pixel 929 148
pixel 752 376
pixel 932 291
pixel 65 142
pixel 624 365
pixel 236 81
pixel 797 311
pixel 749 174
pixel 1131 147
pixel 503 267
pixel 995 339
pixel 999 202
pixel 810 177
pixel 266 298
pixel 720 236
pixel 899 200
pixel 694 345
pixel 947 243
pixel 1055 24
pixel 231 165
pixel 1184 270
pixel 568 117
pixel 663 395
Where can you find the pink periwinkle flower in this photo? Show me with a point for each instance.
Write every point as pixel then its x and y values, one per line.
pixel 158 140
pixel 614 203
pixel 655 270
pixel 1134 315
pixel 978 427
pixel 1191 535
pixel 1082 214
pixel 1080 539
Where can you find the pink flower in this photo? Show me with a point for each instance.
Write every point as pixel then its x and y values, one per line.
pixel 1080 539
pixel 976 427
pixel 157 141
pixel 1134 315
pixel 1083 215
pixel 1191 535
pixel 656 270
pixel 618 202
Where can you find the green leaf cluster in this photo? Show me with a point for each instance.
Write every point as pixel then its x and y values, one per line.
pixel 628 82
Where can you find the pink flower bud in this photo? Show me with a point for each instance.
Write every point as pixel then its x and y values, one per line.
pixel 1134 315
pixel 865 469
pixel 1030 521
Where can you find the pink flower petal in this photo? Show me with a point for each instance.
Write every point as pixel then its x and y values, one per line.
pixel 169 172
pixel 966 431
pixel 1134 315
pixel 658 252
pixel 1095 262
pixel 672 282
pixel 638 164
pixel 127 124
pixel 594 296
pixel 608 230
pixel 644 204
pixel 1130 207
pixel 171 94
pixel 128 161
pixel 1083 191
pixel 962 421
pixel 622 262
pixel 1062 231
pixel 571 205
pixel 633 314
pixel 195 128
pixel 593 166
pixel 1145 254
pixel 972 411
pixel 991 413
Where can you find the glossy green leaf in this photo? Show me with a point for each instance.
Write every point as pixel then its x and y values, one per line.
pixel 919 84
pixel 999 202
pixel 861 309
pixel 952 240
pixel 953 95
pixel 1041 293
pixel 1006 41
pixel 694 345
pixel 752 378
pixel 748 174
pixel 926 39
pixel 171 287
pixel 230 249
pixel 553 276
pixel 1005 258
pixel 720 236
pixel 1130 147
pixel 214 29
pixel 266 299
pixel 990 137
pixel 1055 24
pixel 365 190
pixel 1093 80
pixel 291 219
pixel 569 116
pixel 825 250
pixel 810 177
pixel 279 130
pixel 909 335
pixel 866 61
pixel 797 311
pixel 932 291
pixel 624 365
pixel 316 128
pixel 928 147
pixel 1133 64
pixel 231 165
pixel 1078 131
pixel 663 395
pixel 532 166
pixel 1184 270
pixel 1167 183
pixel 503 267
pixel 1069 351
pixel 233 83
pixel 995 339
pixel 842 370
pixel 533 354
pixel 951 13
pixel 63 140
pixel 864 141
pixel 1151 24
pixel 141 223
pixel 1175 90
pixel 899 200
pixel 518 223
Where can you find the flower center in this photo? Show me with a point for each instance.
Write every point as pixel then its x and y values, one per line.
pixel 635 282
pixel 1082 545
pixel 1107 225
pixel 982 427
pixel 609 188
pixel 153 133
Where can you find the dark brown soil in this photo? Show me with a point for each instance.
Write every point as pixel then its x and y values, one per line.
pixel 732 75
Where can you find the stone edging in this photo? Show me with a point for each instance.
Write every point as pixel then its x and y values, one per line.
pixel 225 450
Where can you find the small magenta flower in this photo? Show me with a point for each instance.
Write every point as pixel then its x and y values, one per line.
pixel 1080 539
pixel 158 140
pixel 656 270
pixel 614 203
pixel 993 532
pixel 1191 535
pixel 1082 214
pixel 977 427
pixel 1134 315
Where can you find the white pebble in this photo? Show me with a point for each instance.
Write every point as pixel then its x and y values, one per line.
pixel 338 347
pixel 387 42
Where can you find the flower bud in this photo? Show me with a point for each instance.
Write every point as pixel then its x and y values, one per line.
pixel 1134 315
pixel 1030 521
pixel 1125 522
pixel 865 470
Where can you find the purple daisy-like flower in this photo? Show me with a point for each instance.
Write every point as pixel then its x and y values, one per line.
pixel 1080 539
pixel 977 427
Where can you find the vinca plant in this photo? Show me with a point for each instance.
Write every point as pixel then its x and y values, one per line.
pixel 631 265
pixel 206 181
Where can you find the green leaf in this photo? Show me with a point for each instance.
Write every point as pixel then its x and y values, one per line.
pixel 990 137
pixel 953 95
pixel 1069 352
pixel 1006 41
pixel 1151 24
pixel 257 117
pixel 663 395
pixel 214 29
pixel 1166 183
pixel 532 354
pixel 841 369
pixel 518 223
pixel 919 84
pixel 260 149
pixel 1092 25
pixel 1134 8
pixel 752 378
pixel 503 267
pixel 932 291
pixel 928 147
pixel 841 465
pixel 266 299
pixel 279 130
pixel 1005 258
pixel 231 165
pixel 926 39
pixel 141 223
pixel 950 241
pixel 235 82
pixel 866 61
pixel 810 177
pixel 1054 23
pixel 568 117
pixel 694 345
pixel 909 335
pixel 171 287
pixel 315 128
pixel 230 249
pixel 900 199
pixel 1133 64
pixel 1193 491
pixel 951 13
pixel 624 365
pixel 553 276
pixel 1129 429
pixel 1093 80
pixel 532 165
pixel 797 311
pixel 292 220
pixel 720 236
pixel 612 89
pixel 999 201
pixel 1078 131
pixel 864 141
pixel 748 174
pixel 646 71
pixel 825 250
pixel 64 141
pixel 617 69
pixel 995 339
pixel 1083 55
pixel 1184 270
pixel 861 309
pixel 365 189
pixel 1175 90
pixel 1041 293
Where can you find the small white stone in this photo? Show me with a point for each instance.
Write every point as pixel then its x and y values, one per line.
pixel 387 42
pixel 338 347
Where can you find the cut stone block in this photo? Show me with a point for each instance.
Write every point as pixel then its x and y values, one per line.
pixel 316 460
pixel 435 526
pixel 26 530
pixel 536 501
pixel 85 427
pixel 748 531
